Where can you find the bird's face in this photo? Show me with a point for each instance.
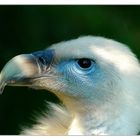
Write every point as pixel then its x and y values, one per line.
pixel 82 68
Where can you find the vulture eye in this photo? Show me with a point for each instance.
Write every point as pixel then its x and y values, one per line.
pixel 84 63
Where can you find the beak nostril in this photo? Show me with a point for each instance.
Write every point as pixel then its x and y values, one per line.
pixel 44 57
pixel 42 60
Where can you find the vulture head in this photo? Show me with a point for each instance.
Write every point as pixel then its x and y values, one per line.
pixel 97 79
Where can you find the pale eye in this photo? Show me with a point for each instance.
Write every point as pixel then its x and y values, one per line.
pixel 84 63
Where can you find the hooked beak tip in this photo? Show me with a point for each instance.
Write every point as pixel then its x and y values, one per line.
pixel 17 70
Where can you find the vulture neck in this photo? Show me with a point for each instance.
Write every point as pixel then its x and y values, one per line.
pixel 100 119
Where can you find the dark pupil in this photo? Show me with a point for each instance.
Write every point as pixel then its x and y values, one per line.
pixel 84 63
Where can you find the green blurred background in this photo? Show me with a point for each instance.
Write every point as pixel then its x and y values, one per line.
pixel 24 29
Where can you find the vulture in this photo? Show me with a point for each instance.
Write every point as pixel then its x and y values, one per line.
pixel 97 79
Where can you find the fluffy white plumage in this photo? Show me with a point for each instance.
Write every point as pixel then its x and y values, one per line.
pixel 101 100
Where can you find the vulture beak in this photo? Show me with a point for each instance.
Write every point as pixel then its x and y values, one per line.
pixel 20 70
